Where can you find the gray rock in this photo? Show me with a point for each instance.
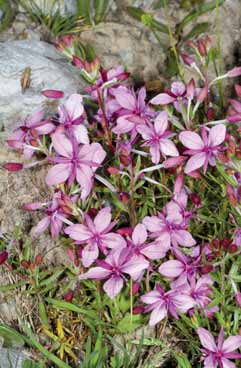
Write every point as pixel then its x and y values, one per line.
pixel 10 358
pixel 128 45
pixel 49 70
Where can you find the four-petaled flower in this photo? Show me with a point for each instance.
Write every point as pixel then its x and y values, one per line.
pixel 202 149
pixel 156 137
pixel 118 263
pixel 218 355
pixel 161 303
pixel 74 162
pixel 97 235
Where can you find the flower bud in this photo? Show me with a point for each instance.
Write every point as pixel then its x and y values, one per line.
pixel 235 72
pixel 124 197
pixel 113 170
pixel 39 259
pixel 3 257
pixel 51 93
pixel 211 113
pixel 138 310
pixel 135 288
pixel 32 206
pixel 196 200
pixel 69 296
pixel 206 269
pixel 92 212
pixel 188 60
pixel 232 248
pixel 125 231
pixel 225 243
pixel 238 299
pixel 25 264
pixel 13 166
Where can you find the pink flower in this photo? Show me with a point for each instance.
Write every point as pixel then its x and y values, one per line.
pixel 113 268
pixel 133 110
pixel 96 234
pixel 71 116
pixel 55 215
pixel 161 303
pixel 26 136
pixel 156 137
pixel 219 355
pixel 202 149
pixel 169 228
pixel 174 96
pixel 237 237
pixel 183 266
pixel 74 162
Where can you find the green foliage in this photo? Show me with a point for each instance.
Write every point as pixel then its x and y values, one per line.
pixel 50 18
pixel 181 32
pixel 8 14
pixel 93 11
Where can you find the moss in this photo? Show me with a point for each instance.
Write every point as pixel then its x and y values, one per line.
pixel 6 14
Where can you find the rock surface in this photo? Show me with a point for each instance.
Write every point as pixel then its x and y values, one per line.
pixel 128 45
pixel 48 70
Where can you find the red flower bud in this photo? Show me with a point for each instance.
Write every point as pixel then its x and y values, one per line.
pixel 135 288
pixel 225 243
pixel 211 113
pixel 124 197
pixel 39 259
pixel 238 298
pixel 13 166
pixel 69 296
pixel 206 269
pixel 138 310
pixel 25 264
pixel 125 231
pixel 51 93
pixel 232 248
pixel 188 60
pixel 92 212
pixel 32 206
pixel 3 257
pixel 113 170
pixel 196 200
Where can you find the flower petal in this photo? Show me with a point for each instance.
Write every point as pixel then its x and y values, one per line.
pixel 103 219
pixel 41 226
pixel 113 286
pixel 74 106
pixel 139 234
pixel 168 148
pixel 231 343
pixel 207 340
pixel 89 254
pixel 157 315
pixel 183 238
pixel 81 134
pixel 113 241
pixel 97 273
pixel 78 232
pixel 171 269
pixel 191 140
pixel 227 364
pixel 161 122
pixel 195 162
pixel 58 174
pixel 61 143
pixel 162 99
pixel 216 135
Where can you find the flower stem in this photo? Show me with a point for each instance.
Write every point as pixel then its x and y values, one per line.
pixel 105 120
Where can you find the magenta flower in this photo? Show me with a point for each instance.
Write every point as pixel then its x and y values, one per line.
pixel 202 149
pixel 26 136
pixel 133 110
pixel 161 303
pixel 174 96
pixel 219 355
pixel 97 235
pixel 74 162
pixel 183 266
pixel 71 116
pixel 118 263
pixel 54 218
pixel 156 137
pixel 143 249
pixel 169 228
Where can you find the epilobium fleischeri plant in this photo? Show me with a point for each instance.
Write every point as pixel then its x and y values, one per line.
pixel 137 183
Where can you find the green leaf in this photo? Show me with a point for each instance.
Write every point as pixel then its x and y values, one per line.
pixel 200 10
pixel 11 337
pixel 196 31
pixel 147 19
pixel 101 7
pixel 129 323
pixel 83 10
pixel 31 364
pixel 182 360
pixel 226 176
